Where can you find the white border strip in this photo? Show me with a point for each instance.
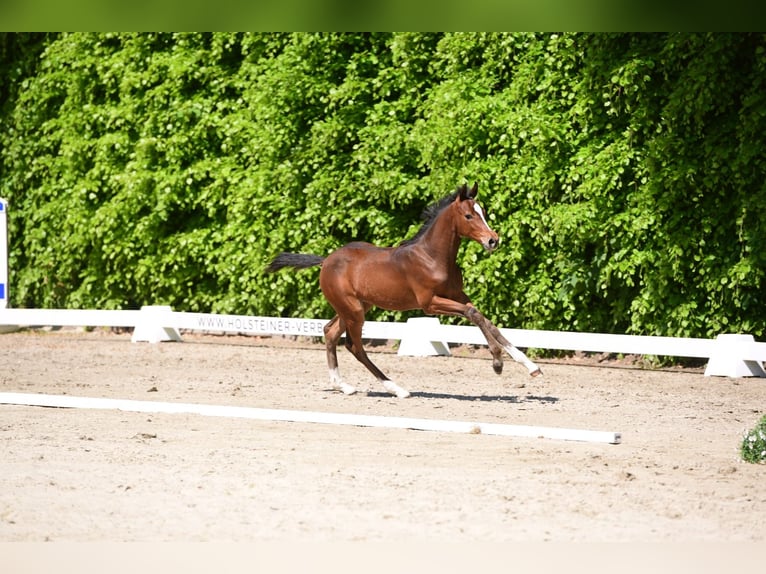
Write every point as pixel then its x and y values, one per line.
pixel 41 400
pixel 164 317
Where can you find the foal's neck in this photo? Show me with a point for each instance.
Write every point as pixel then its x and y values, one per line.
pixel 442 241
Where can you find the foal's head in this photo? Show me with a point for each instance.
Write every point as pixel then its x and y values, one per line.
pixel 470 220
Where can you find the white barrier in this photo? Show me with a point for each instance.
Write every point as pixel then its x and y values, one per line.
pixel 729 355
pixel 3 253
pixel 66 401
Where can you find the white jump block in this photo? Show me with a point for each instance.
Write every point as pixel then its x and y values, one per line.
pixel 417 342
pixel 152 325
pixel 726 359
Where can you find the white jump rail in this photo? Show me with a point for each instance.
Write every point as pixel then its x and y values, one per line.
pixel 282 415
pixel 731 355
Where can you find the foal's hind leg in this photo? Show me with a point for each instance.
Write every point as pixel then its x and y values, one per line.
pixel 332 332
pixel 354 345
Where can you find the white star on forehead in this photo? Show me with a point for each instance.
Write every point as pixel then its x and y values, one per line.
pixel 477 208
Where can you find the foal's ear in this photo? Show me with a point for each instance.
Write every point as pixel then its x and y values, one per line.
pixel 466 193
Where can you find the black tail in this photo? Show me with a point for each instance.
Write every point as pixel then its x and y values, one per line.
pixel 296 260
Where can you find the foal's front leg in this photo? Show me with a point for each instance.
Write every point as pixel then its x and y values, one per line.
pixel 495 339
pixel 490 331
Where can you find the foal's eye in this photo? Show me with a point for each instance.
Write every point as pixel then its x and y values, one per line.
pixel 468 216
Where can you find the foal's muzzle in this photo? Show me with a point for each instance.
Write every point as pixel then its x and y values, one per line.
pixel 491 244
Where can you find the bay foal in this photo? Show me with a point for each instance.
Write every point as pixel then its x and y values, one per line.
pixel 420 273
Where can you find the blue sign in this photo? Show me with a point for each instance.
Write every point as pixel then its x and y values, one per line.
pixel 2 290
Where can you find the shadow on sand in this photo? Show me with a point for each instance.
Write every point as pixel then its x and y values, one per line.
pixel 512 399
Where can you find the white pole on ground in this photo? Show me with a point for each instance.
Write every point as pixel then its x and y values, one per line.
pixel 66 401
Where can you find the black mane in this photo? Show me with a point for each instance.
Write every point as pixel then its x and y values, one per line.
pixel 429 216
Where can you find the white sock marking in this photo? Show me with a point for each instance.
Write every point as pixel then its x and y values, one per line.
pixel 395 389
pixel 520 357
pixel 338 384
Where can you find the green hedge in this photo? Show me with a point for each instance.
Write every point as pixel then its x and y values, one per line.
pixel 624 172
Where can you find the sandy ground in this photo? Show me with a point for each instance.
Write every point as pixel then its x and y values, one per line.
pixel 77 475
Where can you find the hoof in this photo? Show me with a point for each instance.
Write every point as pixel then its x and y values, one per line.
pixel 497 365
pixel 395 389
pixel 536 373
pixel 347 389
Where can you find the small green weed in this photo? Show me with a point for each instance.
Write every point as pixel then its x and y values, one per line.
pixel 754 443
